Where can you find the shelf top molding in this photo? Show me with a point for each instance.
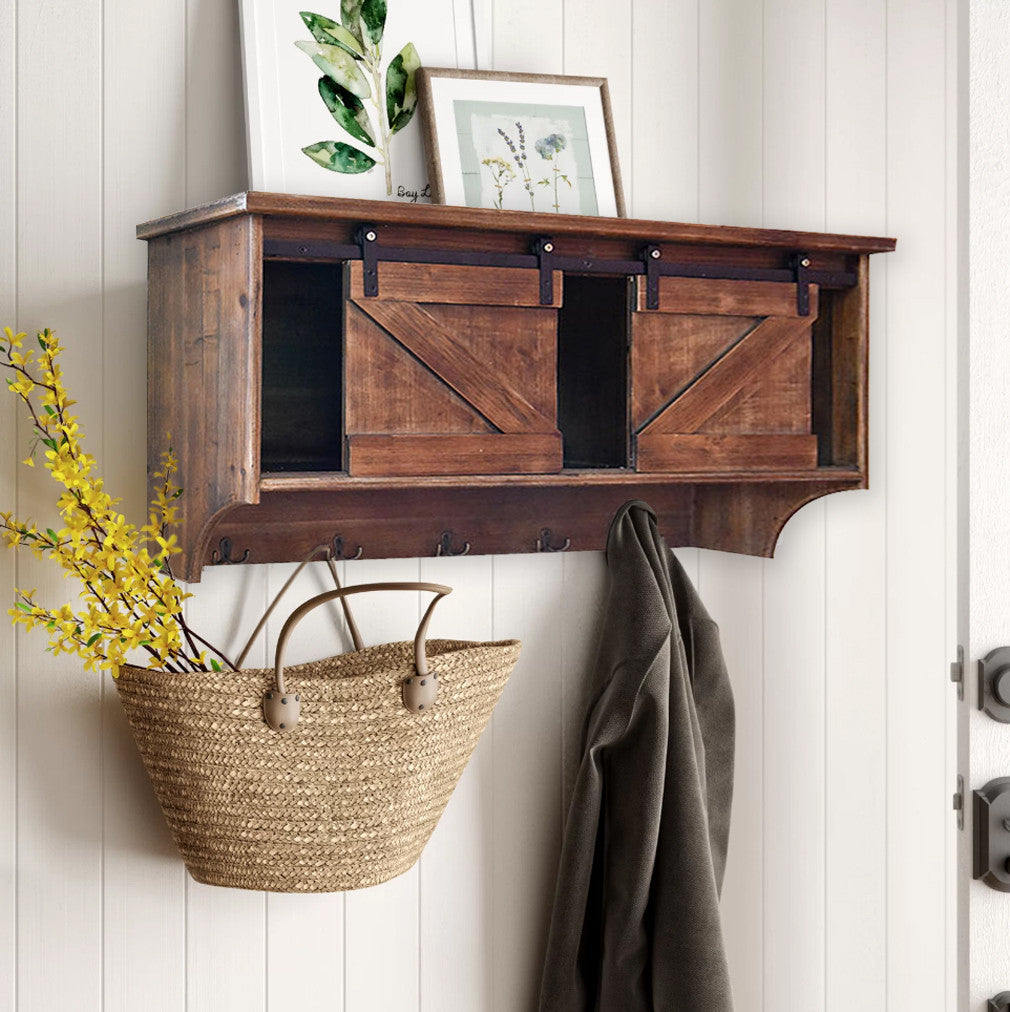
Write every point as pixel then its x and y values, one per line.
pixel 381 212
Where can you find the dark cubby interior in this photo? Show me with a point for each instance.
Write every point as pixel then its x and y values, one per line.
pixel 593 371
pixel 302 367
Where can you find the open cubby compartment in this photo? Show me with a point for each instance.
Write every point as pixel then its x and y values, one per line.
pixel 409 380
pixel 301 426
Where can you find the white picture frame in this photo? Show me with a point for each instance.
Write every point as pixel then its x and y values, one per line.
pixel 285 112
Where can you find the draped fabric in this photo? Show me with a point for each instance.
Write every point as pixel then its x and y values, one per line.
pixel 635 924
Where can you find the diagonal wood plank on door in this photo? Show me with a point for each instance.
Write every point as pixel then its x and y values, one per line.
pixel 430 342
pixel 728 377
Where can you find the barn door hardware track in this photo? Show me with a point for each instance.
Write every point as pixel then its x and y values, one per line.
pixel 546 258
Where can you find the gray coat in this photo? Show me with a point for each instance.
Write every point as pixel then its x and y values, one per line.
pixel 635 924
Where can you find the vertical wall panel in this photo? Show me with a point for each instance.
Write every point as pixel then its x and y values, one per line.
pixel 225 928
pixel 59 261
pixel 918 791
pixel 215 121
pixel 726 111
pixel 794 615
pixel 526 793
pixel 661 167
pixel 598 44
pixel 731 588
pixel 8 489
pixel 382 927
pixel 528 36
pixel 144 884
pixel 584 583
pixel 855 637
pixel 730 82
pixel 456 867
pixel 305 934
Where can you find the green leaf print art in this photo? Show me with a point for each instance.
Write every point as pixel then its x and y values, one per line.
pixel 349 54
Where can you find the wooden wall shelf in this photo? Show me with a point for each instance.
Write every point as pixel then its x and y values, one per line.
pixel 409 380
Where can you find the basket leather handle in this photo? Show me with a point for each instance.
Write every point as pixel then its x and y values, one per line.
pixel 327 553
pixel 281 708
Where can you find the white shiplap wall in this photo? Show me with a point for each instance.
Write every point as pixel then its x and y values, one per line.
pixel 832 114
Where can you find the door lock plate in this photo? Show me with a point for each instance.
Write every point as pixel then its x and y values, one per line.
pixel 994 684
pixel 992 834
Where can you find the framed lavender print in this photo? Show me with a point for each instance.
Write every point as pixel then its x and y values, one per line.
pixel 524 142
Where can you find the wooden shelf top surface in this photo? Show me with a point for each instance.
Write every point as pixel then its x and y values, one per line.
pixel 323 481
pixel 383 212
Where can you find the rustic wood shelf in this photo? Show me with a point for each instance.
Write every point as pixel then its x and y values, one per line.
pixel 407 380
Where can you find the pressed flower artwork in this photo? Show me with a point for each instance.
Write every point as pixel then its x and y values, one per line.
pixel 520 142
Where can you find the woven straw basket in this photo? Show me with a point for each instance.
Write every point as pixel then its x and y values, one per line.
pixel 344 797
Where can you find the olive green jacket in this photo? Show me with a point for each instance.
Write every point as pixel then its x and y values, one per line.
pixel 635 924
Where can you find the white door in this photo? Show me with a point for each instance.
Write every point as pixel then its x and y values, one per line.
pixel 984 613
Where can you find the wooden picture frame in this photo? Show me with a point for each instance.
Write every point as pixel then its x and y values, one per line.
pixel 532 142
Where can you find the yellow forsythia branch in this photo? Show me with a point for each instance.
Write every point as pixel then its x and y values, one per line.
pixel 130 600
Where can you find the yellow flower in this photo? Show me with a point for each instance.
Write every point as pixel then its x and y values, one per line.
pixel 130 599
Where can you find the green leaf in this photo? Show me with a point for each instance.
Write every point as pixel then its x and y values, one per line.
pixel 330 33
pixel 338 64
pixel 52 536
pixel 215 664
pixel 49 409
pixel 94 639
pixel 339 157
pixel 347 110
pixel 42 343
pixel 373 13
pixel 350 17
pixel 401 90
pixel 26 608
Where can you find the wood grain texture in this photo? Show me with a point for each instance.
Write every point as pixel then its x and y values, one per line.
pixel 669 351
pixel 482 220
pixel 662 451
pixel 726 298
pixel 433 344
pixel 204 369
pixel 728 377
pixel 389 390
pixel 449 284
pixel 474 453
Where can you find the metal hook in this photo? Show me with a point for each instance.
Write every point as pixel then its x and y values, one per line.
pixel 222 557
pixel 337 551
pixel 544 542
pixel 444 546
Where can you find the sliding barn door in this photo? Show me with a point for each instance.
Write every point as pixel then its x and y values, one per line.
pixel 451 370
pixel 721 377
